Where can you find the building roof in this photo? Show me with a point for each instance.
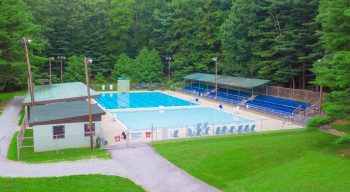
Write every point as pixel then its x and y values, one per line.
pixel 60 111
pixel 44 94
pixel 240 82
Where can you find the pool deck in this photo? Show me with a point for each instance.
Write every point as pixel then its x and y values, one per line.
pixel 111 128
pixel 264 122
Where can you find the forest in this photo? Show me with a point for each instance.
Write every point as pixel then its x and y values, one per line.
pixel 293 43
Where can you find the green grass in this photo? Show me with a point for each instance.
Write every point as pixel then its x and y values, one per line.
pixel 79 183
pixel 296 160
pixel 21 116
pixel 28 155
pixel 7 96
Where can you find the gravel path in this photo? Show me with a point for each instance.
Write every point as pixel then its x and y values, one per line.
pixel 142 164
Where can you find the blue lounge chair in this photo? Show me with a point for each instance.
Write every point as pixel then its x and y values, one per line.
pixel 206 131
pixel 175 133
pixel 198 129
pixel 252 128
pixel 232 129
pixel 217 131
pixel 246 128
pixel 240 128
pixel 223 130
pixel 189 132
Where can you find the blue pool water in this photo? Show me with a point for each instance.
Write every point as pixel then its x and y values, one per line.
pixel 175 118
pixel 139 100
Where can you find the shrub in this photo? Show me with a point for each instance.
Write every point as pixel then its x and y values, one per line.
pixel 316 122
pixel 343 139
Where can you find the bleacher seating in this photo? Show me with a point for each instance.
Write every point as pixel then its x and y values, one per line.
pixel 280 101
pixel 275 105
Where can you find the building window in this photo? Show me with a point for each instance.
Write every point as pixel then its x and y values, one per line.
pixel 87 131
pixel 58 132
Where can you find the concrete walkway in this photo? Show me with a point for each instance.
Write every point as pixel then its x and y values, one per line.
pixel 156 173
pixel 9 124
pixel 142 164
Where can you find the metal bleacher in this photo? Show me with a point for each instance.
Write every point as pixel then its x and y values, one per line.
pixel 266 104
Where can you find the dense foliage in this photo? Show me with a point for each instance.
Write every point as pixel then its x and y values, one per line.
pixel 271 40
pixel 333 71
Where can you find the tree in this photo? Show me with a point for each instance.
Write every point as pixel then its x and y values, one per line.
pixel 266 39
pixel 333 71
pixel 124 68
pixel 75 69
pixel 99 78
pixel 16 22
pixel 148 66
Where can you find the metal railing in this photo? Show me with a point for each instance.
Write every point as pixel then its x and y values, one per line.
pixel 133 138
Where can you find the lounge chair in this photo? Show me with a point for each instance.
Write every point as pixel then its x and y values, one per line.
pixel 175 133
pixel 206 131
pixel 189 132
pixel 240 128
pixel 252 128
pixel 198 129
pixel 217 131
pixel 232 129
pixel 246 128
pixel 223 130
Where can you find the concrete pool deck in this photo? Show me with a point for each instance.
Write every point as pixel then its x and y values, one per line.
pixel 269 123
pixel 263 122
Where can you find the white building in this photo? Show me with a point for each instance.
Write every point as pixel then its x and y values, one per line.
pixel 63 125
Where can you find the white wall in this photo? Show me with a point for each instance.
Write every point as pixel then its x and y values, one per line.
pixel 74 136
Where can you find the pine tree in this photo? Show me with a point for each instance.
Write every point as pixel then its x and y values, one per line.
pixel 333 71
pixel 16 22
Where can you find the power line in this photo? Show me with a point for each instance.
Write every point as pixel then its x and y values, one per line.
pixel 2 51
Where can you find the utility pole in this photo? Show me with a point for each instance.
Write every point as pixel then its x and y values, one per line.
pixel 25 43
pixel 50 66
pixel 216 77
pixel 320 101
pixel 90 127
pixel 320 98
pixel 61 58
pixel 168 58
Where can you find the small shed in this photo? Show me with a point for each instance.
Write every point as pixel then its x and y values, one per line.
pixel 63 125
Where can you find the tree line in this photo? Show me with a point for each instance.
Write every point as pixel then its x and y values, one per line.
pixel 296 44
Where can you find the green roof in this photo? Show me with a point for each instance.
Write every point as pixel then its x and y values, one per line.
pixel 240 82
pixel 44 94
pixel 61 110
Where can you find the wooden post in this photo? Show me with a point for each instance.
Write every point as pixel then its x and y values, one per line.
pixel 216 80
pixel 61 69
pixel 30 81
pixel 50 72
pixel 320 101
pixel 89 103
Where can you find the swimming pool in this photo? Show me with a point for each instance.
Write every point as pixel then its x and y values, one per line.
pixel 176 118
pixel 139 100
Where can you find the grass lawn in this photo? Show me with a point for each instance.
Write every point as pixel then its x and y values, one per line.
pixel 295 160
pixel 7 96
pixel 21 116
pixel 28 155
pixel 79 183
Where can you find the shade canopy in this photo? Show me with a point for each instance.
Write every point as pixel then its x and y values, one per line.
pixel 44 94
pixel 240 82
